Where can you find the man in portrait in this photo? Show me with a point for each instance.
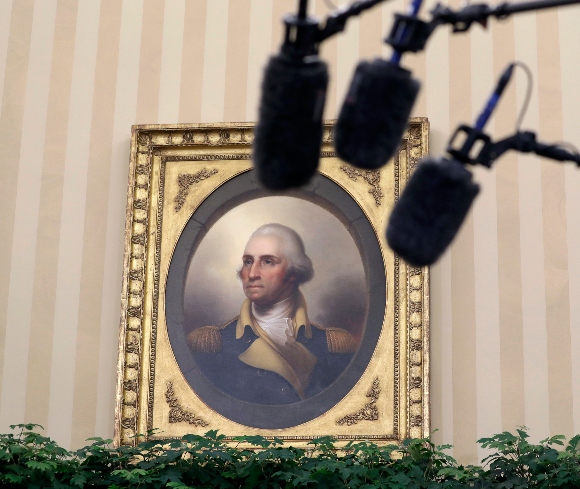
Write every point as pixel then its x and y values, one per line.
pixel 271 353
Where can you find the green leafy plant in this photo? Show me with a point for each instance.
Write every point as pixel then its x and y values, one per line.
pixel 518 463
pixel 28 459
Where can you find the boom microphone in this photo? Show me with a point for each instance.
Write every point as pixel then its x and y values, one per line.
pixel 289 130
pixel 374 114
pixel 438 196
pixel 431 210
pixel 440 192
pixel 377 106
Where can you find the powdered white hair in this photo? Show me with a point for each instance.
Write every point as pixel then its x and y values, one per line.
pixel 299 264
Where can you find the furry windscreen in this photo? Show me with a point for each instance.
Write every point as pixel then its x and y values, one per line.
pixel 374 115
pixel 289 131
pixel 431 210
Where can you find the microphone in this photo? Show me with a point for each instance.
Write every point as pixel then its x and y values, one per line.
pixel 381 96
pixel 438 195
pixel 374 114
pixel 380 99
pixel 431 210
pixel 288 135
pixel 289 131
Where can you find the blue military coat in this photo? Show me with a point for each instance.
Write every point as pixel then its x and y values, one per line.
pixel 240 360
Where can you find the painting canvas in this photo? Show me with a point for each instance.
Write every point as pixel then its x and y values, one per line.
pixel 334 300
pixel 266 312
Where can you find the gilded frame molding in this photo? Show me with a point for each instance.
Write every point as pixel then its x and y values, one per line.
pixel 173 169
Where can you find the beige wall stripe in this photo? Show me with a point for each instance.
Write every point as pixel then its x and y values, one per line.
pixel 214 66
pixel 125 110
pixel 442 406
pixel 280 9
pixel 463 345
pixel 485 215
pixel 462 272
pixel 260 41
pixel 171 60
pixel 26 215
pixel 41 329
pixel 150 62
pixel 238 43
pixel 93 258
pixel 192 63
pixel 555 248
pixel 509 260
pixel 557 298
pixel 370 34
pixel 436 87
pixel 5 16
pixel 510 287
pixel 11 115
pixel 417 64
pixel 72 223
pixel 570 72
pixel 532 247
pixel 548 81
pixel 572 182
pixel 533 299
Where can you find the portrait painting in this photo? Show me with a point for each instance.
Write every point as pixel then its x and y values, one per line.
pixel 288 290
pixel 275 301
pixel 275 313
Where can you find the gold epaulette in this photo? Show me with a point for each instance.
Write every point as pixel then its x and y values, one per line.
pixel 207 339
pixel 339 340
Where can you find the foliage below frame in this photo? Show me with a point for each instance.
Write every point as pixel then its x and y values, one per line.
pixel 173 169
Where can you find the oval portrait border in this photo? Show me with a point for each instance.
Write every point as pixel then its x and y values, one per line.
pixel 242 188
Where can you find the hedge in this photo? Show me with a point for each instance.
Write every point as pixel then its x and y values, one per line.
pixel 29 459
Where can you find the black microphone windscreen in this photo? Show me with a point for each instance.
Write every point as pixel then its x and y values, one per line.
pixel 288 136
pixel 374 115
pixel 431 210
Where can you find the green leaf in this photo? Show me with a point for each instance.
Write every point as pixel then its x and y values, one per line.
pixel 574 442
pixel 14 478
pixel 101 441
pixel 212 434
pixel 523 433
pixel 256 440
pixel 78 480
pixel 42 466
pixel 402 479
pixel 177 485
pixel 26 426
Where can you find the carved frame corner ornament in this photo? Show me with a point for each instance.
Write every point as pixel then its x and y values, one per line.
pixel 176 412
pixel 372 177
pixel 178 167
pixel 369 412
pixel 186 180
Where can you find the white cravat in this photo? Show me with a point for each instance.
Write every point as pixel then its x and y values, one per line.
pixel 276 320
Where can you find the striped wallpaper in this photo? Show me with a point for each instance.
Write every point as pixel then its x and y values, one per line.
pixel 76 74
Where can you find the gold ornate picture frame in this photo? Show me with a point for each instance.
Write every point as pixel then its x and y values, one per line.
pixel 193 201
